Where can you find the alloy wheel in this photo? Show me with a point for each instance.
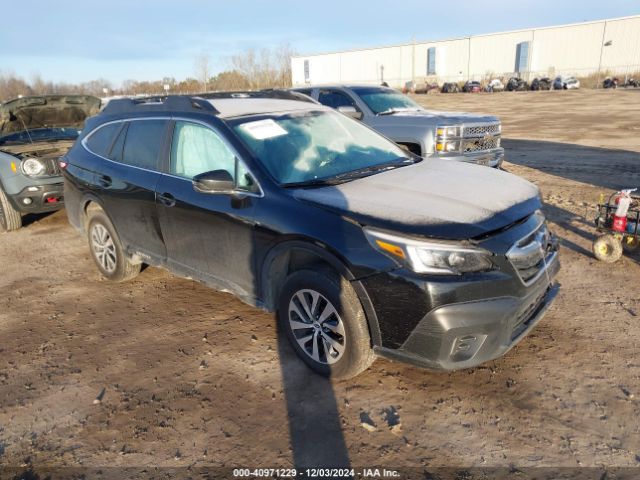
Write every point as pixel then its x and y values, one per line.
pixel 104 248
pixel 317 326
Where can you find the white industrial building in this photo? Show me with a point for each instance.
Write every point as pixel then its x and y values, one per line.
pixel 579 49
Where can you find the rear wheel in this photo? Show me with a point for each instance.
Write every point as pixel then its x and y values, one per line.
pixel 607 248
pixel 10 218
pixel 107 250
pixel 324 322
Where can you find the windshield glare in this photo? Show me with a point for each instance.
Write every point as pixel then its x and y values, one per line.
pixel 384 99
pixel 315 145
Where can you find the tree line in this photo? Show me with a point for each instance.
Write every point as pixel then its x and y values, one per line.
pixel 251 70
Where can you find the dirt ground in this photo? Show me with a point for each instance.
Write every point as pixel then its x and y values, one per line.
pixel 165 372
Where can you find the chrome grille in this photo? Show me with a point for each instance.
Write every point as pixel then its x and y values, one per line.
pixel 481 144
pixel 481 130
pixel 529 255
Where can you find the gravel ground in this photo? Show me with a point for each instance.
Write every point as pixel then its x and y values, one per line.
pixel 165 372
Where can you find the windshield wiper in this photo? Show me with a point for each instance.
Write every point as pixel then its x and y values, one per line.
pixel 366 171
pixel 353 174
pixel 317 182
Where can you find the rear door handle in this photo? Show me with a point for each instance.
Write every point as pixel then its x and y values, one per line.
pixel 104 181
pixel 167 199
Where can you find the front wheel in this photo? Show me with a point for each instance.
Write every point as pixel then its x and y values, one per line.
pixel 10 218
pixel 607 248
pixel 107 250
pixel 322 317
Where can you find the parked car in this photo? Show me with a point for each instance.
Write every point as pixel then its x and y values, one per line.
pixel 516 84
pixel 34 133
pixel 419 88
pixel 450 136
pixel 566 83
pixel 543 83
pixel 472 86
pixel 450 87
pixel 495 85
pixel 360 247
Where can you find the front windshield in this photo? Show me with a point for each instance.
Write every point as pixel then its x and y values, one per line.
pixel 309 146
pixel 385 99
pixel 40 135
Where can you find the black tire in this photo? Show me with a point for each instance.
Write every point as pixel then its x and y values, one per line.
pixel 110 253
pixel 355 342
pixel 10 218
pixel 607 248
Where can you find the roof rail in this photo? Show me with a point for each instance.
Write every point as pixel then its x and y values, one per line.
pixel 275 93
pixel 165 103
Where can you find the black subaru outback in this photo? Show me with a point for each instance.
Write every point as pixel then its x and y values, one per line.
pixel 360 247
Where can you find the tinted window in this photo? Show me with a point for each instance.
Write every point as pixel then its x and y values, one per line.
pixel 99 142
pixel 334 99
pixel 143 143
pixel 118 145
pixel 197 149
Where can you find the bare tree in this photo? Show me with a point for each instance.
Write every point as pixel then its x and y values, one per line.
pixel 202 69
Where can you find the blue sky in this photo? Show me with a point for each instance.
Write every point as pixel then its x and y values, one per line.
pixel 71 40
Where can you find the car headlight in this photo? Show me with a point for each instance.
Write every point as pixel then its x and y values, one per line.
pixel 430 257
pixel 448 139
pixel 32 167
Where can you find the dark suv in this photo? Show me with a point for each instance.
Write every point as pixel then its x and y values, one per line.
pixel 361 247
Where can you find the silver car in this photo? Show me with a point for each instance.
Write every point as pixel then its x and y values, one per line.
pixel 457 136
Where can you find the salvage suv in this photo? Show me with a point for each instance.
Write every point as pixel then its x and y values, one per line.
pixel 444 135
pixel 361 247
pixel 34 133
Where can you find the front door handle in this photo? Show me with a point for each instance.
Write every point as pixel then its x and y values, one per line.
pixel 167 199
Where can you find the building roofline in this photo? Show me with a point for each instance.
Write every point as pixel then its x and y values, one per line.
pixel 452 39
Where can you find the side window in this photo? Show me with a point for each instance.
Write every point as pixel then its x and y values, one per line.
pixel 143 142
pixel 197 149
pixel 99 142
pixel 118 145
pixel 334 99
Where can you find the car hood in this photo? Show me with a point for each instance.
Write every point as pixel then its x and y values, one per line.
pixel 433 198
pixel 433 117
pixel 47 111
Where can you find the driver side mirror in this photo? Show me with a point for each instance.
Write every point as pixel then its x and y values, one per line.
pixel 350 111
pixel 217 181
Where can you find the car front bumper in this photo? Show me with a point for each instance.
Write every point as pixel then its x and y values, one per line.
pixel 39 198
pixel 490 158
pixel 474 320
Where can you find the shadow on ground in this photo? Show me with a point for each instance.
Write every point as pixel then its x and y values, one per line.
pixel 601 167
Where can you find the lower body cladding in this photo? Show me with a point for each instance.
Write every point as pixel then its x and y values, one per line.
pixel 39 198
pixel 460 334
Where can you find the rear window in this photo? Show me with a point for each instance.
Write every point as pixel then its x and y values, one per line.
pixel 100 141
pixel 143 142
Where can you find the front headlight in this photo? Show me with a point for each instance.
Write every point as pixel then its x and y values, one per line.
pixel 448 139
pixel 32 167
pixel 430 257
